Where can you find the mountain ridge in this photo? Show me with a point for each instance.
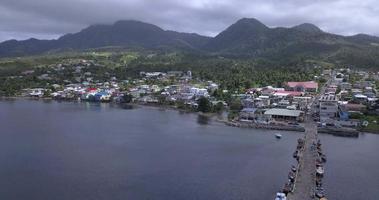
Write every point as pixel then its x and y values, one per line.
pixel 246 37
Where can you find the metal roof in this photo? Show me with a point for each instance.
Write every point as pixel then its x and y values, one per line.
pixel 283 112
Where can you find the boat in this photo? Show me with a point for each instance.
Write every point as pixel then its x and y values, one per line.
pixel 291 176
pixel 320 171
pixel 293 169
pixel 295 154
pixel 320 193
pixel 278 136
pixel 280 196
pixel 323 158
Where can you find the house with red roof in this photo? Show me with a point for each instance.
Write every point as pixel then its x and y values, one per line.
pixel 307 86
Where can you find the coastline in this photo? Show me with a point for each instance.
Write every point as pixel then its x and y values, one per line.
pixel 216 117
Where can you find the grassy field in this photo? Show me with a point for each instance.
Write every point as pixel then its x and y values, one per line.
pixel 373 125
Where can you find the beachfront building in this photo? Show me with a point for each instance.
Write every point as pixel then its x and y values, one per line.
pixel 308 86
pixel 248 113
pixel 279 114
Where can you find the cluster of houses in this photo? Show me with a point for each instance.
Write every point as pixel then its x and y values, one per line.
pixel 272 105
pixel 165 75
pixel 184 92
pixel 343 97
pixel 348 92
pixel 142 90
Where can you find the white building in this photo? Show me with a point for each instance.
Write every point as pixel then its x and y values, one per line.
pixel 328 107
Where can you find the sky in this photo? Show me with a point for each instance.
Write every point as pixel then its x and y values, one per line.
pixel 47 19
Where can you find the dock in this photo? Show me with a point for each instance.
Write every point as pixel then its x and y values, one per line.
pixel 305 182
pixel 265 126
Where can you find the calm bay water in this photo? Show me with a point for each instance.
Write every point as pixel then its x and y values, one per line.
pixel 75 151
pixel 352 169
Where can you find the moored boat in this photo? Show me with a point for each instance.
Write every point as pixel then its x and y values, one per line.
pixel 280 196
pixel 320 171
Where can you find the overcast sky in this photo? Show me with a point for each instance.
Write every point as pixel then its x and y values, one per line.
pixel 45 19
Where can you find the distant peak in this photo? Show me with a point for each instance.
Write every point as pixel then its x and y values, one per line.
pixel 250 21
pixel 362 35
pixel 123 22
pixel 250 24
pixel 136 24
pixel 308 27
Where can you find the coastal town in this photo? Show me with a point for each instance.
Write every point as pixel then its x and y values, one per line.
pixel 348 103
pixel 189 100
pixel 341 102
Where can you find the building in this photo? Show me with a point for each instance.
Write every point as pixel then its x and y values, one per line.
pixel 288 93
pixel 308 86
pixel 284 114
pixel 248 113
pixel 352 107
pixel 345 86
pixel 328 107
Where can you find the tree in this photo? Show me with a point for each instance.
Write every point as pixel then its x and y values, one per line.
pixel 127 98
pixel 47 93
pixel 204 105
pixel 235 105
pixel 218 107
pixel 180 104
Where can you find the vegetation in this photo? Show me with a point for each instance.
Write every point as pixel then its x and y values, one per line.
pixel 373 121
pixel 233 74
pixel 204 105
pixel 247 38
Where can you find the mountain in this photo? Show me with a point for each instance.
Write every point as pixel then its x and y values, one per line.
pixel 128 33
pixel 248 37
pixel 245 33
pixel 251 38
pixel 308 28
pixel 364 39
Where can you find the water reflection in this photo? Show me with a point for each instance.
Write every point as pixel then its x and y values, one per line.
pixel 202 119
pixel 126 106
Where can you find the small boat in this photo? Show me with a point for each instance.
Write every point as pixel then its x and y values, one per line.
pixel 320 171
pixel 291 176
pixel 293 169
pixel 323 158
pixel 295 154
pixel 278 136
pixel 280 196
pixel 320 193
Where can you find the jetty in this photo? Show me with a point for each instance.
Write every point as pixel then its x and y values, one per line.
pixel 264 126
pixel 304 187
pixel 305 179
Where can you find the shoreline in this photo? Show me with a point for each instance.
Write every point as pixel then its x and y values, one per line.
pixel 212 116
pixel 133 104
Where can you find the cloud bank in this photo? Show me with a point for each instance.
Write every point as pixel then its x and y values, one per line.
pixel 46 19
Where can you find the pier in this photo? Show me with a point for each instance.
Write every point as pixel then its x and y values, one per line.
pixel 304 187
pixel 305 179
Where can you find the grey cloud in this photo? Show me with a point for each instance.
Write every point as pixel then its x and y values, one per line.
pixel 50 18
